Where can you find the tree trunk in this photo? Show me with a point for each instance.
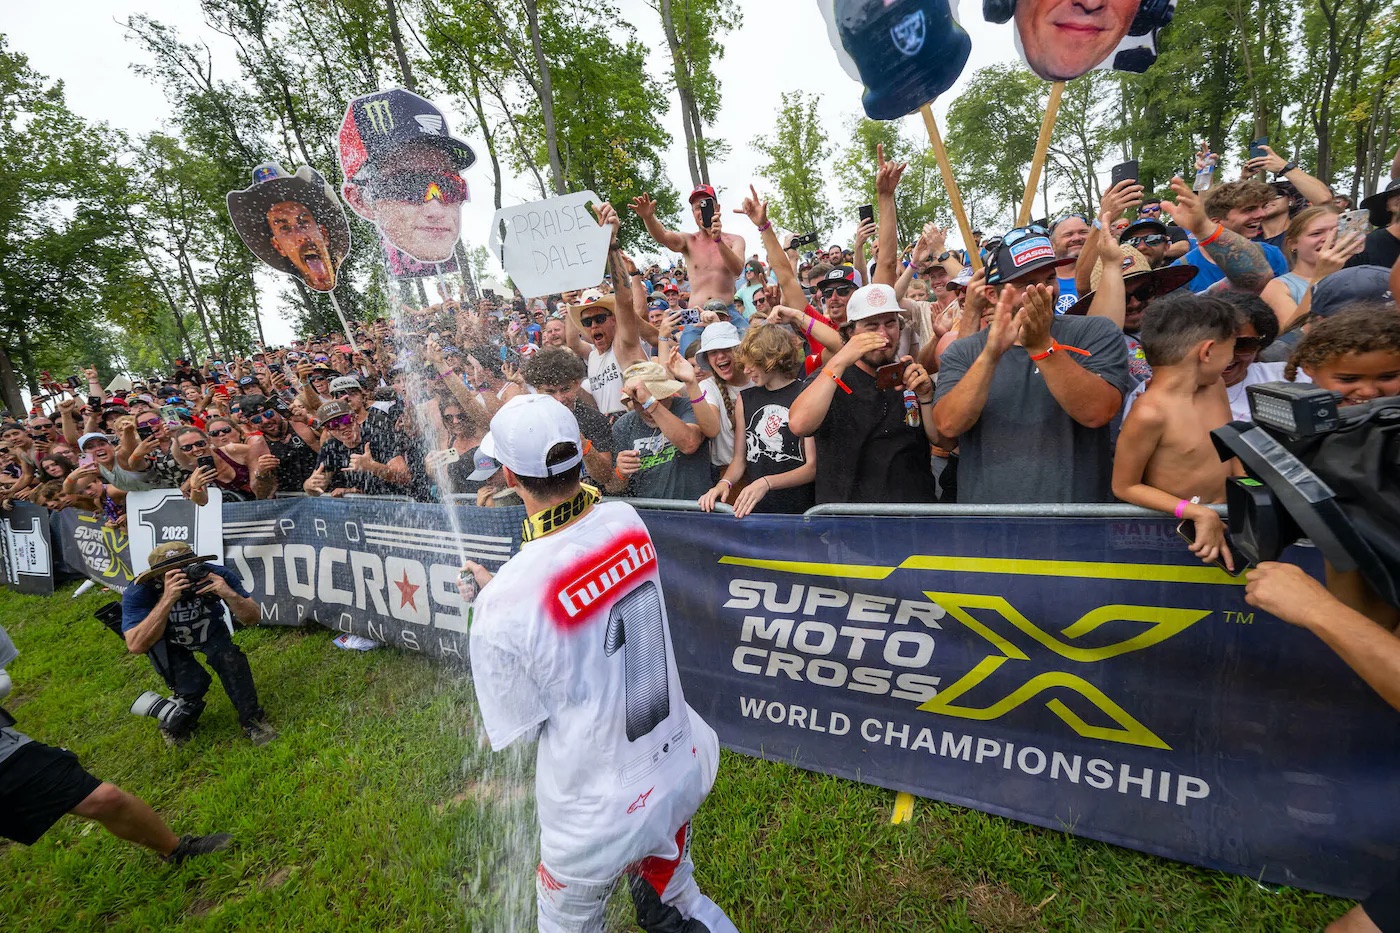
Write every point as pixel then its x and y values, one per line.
pixel 556 165
pixel 399 51
pixel 257 318
pixel 9 387
pixel 680 74
pixel 480 110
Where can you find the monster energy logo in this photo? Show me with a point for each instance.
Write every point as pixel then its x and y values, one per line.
pixel 381 118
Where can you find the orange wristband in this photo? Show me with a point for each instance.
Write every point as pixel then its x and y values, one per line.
pixel 1056 345
pixel 1219 229
pixel 837 379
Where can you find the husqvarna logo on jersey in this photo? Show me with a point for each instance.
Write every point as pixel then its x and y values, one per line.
pixel 598 576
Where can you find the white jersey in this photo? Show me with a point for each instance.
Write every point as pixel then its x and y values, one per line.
pixel 605 381
pixel 571 636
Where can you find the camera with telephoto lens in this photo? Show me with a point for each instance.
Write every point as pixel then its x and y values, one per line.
pixel 1322 471
pixel 168 711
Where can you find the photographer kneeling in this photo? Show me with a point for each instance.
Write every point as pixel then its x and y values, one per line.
pixel 177 605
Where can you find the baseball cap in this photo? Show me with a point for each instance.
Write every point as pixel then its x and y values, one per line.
pixel 346 384
pixel 524 431
pixel 670 287
pixel 717 306
pixel 703 191
pixel 377 125
pixel 659 305
pixel 92 436
pixel 1380 217
pixel 962 280
pixel 1341 288
pixel 485 465
pixel 841 275
pixel 870 301
pixel 1021 252
pixel 1144 227
pixel 331 411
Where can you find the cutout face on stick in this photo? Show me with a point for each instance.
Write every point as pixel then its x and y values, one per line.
pixel 293 223
pixel 403 170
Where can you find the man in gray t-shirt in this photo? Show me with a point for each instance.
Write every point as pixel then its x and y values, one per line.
pixel 1030 398
pixel 661 452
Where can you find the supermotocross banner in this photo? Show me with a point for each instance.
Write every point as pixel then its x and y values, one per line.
pixel 1080 674
pixel 1085 675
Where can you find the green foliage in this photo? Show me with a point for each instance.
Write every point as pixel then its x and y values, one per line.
pixel 920 198
pixel 797 150
pixel 992 129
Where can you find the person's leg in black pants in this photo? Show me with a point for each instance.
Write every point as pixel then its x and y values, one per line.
pixel 231 664
pixel 188 681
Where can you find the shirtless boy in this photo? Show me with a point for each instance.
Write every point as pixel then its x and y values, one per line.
pixel 1165 459
pixel 715 258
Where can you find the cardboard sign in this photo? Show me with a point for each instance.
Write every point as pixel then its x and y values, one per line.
pixel 160 516
pixel 551 246
pixel 293 223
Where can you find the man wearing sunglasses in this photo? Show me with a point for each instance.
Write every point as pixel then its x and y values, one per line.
pixel 293 443
pixel 402 172
pixel 1030 397
pixel 352 460
pixel 1149 237
pixel 1180 240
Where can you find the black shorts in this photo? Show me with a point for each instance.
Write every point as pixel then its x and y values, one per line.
pixel 1383 906
pixel 38 784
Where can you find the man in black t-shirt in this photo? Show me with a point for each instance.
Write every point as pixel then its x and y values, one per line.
pixel 559 373
pixel 872 443
pixel 294 444
pixel 357 458
pixel 1383 244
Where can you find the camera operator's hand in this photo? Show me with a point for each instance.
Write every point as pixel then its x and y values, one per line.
pixel 1286 591
pixel 176 583
pixel 214 585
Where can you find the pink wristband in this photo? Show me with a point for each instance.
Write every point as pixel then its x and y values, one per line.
pixel 1181 507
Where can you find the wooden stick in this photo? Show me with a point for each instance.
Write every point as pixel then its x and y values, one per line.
pixel 1042 145
pixel 955 199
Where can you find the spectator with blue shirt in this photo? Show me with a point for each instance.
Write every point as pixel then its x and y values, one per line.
pixel 1239 207
pixel 1067 236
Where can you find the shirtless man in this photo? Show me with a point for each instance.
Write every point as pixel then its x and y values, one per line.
pixel 714 258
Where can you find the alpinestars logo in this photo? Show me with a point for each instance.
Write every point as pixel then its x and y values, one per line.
pixel 585 586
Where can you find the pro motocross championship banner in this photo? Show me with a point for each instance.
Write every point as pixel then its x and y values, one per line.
pixel 1080 674
pixel 384 570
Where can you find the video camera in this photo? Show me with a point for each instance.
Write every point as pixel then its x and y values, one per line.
pixel 1321 471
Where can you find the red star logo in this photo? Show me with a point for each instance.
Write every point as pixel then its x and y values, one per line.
pixel 406 591
pixel 641 800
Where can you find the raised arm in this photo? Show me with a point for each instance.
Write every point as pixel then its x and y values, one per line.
pixel 1241 261
pixel 1315 191
pixel 887 176
pixel 778 258
pixel 961 406
pixel 645 208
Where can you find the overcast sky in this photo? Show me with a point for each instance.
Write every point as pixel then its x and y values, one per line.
pixel 782 46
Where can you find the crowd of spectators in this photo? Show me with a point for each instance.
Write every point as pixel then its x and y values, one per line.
pixel 1077 360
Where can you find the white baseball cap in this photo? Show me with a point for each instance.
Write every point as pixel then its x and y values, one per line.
pixel 525 429
pixel 871 301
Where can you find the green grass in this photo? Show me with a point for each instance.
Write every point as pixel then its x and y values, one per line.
pixel 377 809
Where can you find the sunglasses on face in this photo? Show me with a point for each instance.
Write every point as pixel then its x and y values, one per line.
pixel 221 433
pixel 595 319
pixel 420 186
pixel 344 421
pixel 839 290
pixel 1143 294
pixel 760 299
pixel 1151 239
pixel 452 419
pixel 194 446
pixel 148 424
pixel 1150 209
pixel 260 417
pixel 1248 344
